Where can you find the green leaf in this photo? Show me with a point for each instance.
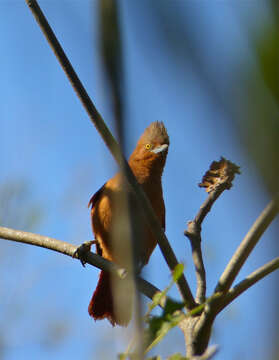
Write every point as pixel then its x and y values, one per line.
pixel 156 300
pixel 176 356
pixel 155 323
pixel 171 306
pixel 128 356
pixel 177 272
pixel 164 329
pixel 158 297
pixel 160 326
pixel 122 356
pixel 154 358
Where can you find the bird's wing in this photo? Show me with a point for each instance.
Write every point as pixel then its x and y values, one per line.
pixel 96 196
pixel 92 203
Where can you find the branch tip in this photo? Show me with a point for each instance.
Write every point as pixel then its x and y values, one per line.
pixel 220 175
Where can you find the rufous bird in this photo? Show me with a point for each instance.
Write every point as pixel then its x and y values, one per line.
pixel 147 163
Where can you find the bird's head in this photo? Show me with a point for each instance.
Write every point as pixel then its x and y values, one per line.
pixel 152 148
pixel 155 138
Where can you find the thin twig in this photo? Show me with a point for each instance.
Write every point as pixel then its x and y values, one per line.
pixel 247 245
pixel 218 178
pixel 114 148
pixel 249 281
pixel 193 233
pixel 208 354
pixel 65 248
pixel 207 205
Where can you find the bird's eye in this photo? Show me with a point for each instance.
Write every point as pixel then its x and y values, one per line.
pixel 148 146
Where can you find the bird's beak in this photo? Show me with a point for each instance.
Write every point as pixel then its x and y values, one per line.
pixel 160 148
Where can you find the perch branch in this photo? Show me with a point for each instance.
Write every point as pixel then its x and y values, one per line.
pixel 115 150
pixel 247 245
pixel 249 281
pixel 65 248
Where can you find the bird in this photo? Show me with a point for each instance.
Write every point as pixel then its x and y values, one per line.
pixel 147 163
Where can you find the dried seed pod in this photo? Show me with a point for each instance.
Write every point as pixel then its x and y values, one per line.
pixel 220 175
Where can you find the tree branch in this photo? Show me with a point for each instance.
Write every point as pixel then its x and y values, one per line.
pixel 247 245
pixel 217 179
pixel 208 354
pixel 115 150
pixel 249 281
pixel 65 248
pixel 193 232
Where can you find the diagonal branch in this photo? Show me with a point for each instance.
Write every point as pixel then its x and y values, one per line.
pixel 249 281
pixel 114 148
pixel 247 245
pixel 65 248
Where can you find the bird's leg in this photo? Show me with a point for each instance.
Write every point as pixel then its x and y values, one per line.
pixel 82 250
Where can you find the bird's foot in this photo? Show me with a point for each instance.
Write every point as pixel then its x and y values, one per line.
pixel 83 249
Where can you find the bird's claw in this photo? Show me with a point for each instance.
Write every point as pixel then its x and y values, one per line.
pixel 83 249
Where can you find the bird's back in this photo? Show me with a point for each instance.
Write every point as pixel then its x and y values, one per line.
pixel 105 203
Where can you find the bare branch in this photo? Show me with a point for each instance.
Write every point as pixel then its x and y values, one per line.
pixel 193 232
pixel 249 281
pixel 247 245
pixel 217 179
pixel 115 150
pixel 65 248
pixel 208 354
pixel 38 240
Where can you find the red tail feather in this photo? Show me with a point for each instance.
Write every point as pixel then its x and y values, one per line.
pixel 101 304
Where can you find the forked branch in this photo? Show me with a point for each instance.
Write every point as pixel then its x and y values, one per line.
pixel 247 245
pixel 249 281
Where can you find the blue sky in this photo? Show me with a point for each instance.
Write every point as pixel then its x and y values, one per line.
pixel 48 142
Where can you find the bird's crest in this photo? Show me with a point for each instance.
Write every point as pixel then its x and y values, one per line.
pixel 155 132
